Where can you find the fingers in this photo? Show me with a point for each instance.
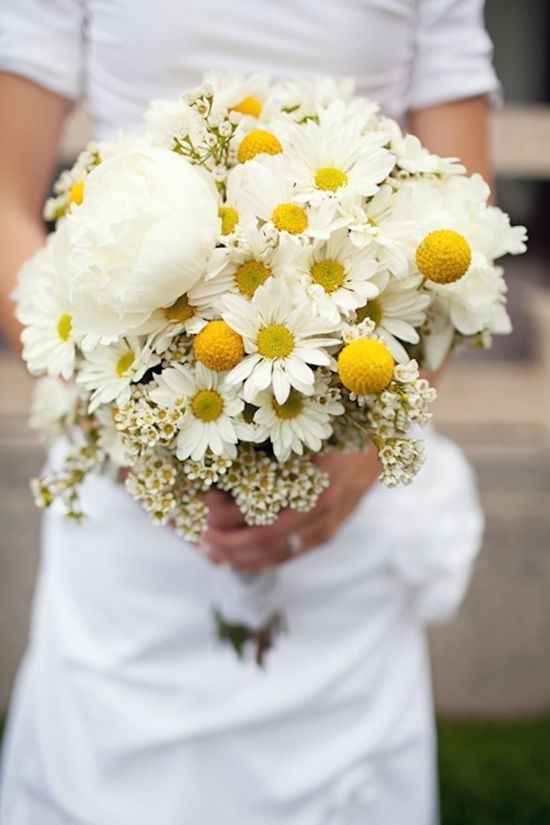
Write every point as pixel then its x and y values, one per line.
pixel 252 549
pixel 258 539
pixel 246 560
pixel 310 536
pixel 222 510
pixel 314 536
pixel 227 540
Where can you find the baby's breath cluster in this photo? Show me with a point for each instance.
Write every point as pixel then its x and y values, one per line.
pixel 157 482
pixel 63 485
pixel 143 425
pixel 208 142
pixel 209 470
pixel 401 459
pixel 263 486
pixel 406 401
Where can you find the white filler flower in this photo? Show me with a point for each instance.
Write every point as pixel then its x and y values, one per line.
pixel 138 241
pixel 281 337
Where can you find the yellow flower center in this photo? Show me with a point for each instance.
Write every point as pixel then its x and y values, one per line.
pixel 64 327
pixel 365 366
pixel 229 218
pixel 444 256
pixel 258 142
pixel 329 274
pixel 292 407
pixel 330 179
pixel 372 310
pixel 250 275
pixel 218 347
pixel 275 341
pixel 207 405
pixel 76 192
pixel 180 311
pixel 249 105
pixel 124 363
pixel 288 217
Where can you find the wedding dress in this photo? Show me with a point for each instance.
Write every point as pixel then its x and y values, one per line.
pixel 127 711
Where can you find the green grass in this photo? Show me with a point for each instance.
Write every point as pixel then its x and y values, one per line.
pixel 495 773
pixel 492 773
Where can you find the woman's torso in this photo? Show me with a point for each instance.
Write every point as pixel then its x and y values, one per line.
pixel 137 50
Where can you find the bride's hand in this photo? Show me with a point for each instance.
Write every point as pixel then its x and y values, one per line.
pixel 227 540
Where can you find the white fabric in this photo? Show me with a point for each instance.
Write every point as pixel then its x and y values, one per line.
pixel 401 52
pixel 127 711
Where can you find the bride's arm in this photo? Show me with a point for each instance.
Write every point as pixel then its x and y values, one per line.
pixel 457 129
pixel 31 118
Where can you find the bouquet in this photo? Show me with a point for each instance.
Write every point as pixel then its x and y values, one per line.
pixel 253 280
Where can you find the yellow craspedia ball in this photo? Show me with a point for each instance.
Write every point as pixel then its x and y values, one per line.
pixel 218 347
pixel 258 142
pixel 365 366
pixel 444 256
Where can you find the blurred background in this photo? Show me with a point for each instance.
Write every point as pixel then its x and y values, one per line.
pixel 491 664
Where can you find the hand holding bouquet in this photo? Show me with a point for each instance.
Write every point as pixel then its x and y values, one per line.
pixel 254 280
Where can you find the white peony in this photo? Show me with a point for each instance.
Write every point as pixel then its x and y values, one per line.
pixel 138 242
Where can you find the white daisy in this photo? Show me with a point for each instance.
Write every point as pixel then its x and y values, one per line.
pixel 337 276
pixel 375 226
pixel 281 338
pixel 49 339
pixel 109 371
pixel 302 420
pixel 250 264
pixel 212 407
pixel 330 160
pixel 307 98
pixel 397 312
pixel 263 190
pixel 69 188
pixel 244 96
pixel 337 163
